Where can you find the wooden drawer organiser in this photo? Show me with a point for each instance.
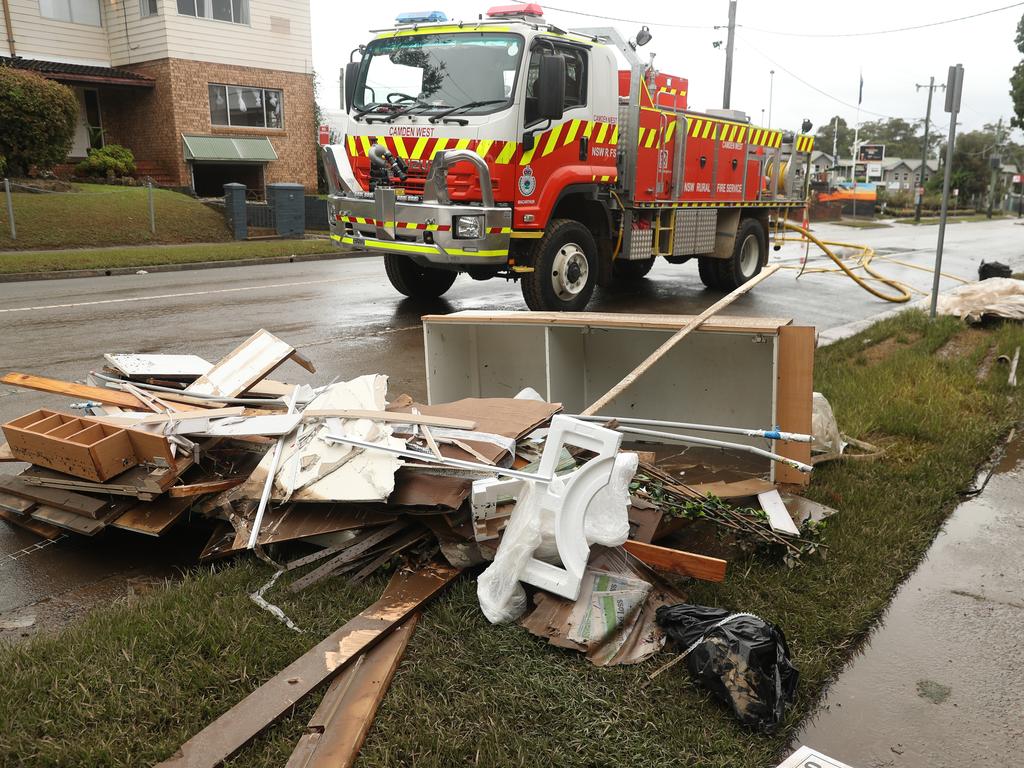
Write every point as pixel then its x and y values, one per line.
pixel 83 447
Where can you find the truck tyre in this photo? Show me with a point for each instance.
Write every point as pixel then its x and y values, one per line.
pixel 564 269
pixel 708 268
pixel 749 254
pixel 625 269
pixel 414 281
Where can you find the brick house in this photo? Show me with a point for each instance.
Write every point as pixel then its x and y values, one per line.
pixel 185 84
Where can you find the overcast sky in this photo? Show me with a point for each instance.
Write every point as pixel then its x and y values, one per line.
pixel 828 66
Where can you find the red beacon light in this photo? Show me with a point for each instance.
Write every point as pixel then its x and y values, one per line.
pixel 507 11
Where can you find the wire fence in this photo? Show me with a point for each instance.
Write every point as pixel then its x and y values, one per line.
pixel 12 187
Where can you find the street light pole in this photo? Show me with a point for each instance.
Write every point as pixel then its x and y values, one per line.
pixel 728 55
pixel 771 95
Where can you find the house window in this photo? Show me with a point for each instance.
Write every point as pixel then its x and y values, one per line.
pixel 242 106
pixel 75 11
pixel 236 11
pixel 148 7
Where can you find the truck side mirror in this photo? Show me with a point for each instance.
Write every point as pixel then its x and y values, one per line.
pixel 551 87
pixel 351 78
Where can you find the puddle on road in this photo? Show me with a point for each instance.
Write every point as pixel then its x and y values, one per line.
pixel 941 682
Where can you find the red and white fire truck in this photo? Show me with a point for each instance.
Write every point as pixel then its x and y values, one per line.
pixel 507 147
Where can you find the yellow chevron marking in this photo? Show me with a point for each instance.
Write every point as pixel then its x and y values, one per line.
pixel 733 132
pixel 574 128
pixel 505 156
pixel 757 137
pixel 417 151
pixel 695 129
pixel 352 145
pixel 615 136
pixel 707 129
pixel 589 129
pixel 527 156
pixel 365 141
pixel 483 147
pixel 742 133
pixel 601 133
pixel 552 140
pixel 462 144
pixel 400 147
pixel 438 147
pixel 670 131
pixel 640 136
pixel 650 138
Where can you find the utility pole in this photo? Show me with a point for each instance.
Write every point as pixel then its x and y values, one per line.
pixel 728 55
pixel 771 95
pixel 924 151
pixel 835 150
pixel 995 162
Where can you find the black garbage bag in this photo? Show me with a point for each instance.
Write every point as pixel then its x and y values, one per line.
pixel 742 659
pixel 989 269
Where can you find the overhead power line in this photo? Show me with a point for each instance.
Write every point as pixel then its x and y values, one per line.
pixel 813 87
pixel 883 31
pixel 629 21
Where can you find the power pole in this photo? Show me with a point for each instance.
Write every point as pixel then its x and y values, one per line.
pixel 728 55
pixel 835 151
pixel 954 90
pixel 924 151
pixel 771 95
pixel 995 162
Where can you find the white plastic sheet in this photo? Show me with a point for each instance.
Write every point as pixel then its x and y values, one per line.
pixel 997 296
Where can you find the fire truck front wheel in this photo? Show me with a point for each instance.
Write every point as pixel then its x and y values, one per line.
pixel 564 269
pixel 414 281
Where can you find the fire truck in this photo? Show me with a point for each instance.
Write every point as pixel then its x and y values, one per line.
pixel 508 147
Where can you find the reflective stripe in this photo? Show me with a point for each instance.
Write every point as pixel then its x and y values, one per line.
pixel 352 145
pixel 483 147
pixel 365 141
pixel 601 133
pixel 574 128
pixel 400 147
pixel 552 140
pixel 417 150
pixel 615 136
pixel 670 131
pixel 439 145
pixel 589 129
pixel 528 154
pixel 708 126
pixel 462 144
pixel 650 138
pixel 695 128
pixel 505 156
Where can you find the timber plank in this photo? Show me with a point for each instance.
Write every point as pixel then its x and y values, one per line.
pixel 339 726
pixel 153 518
pixel 78 391
pixel 405 593
pixel 62 499
pixel 38 527
pixel 724 324
pixel 61 518
pixel 677 561
pixel 244 366
pixel 795 390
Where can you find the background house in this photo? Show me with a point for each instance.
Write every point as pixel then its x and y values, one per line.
pixel 202 91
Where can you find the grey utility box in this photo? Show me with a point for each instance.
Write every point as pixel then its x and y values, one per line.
pixel 234 205
pixel 289 204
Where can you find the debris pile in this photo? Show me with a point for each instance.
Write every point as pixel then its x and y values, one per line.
pixel 339 481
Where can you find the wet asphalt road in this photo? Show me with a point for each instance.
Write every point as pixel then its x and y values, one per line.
pixel 345 316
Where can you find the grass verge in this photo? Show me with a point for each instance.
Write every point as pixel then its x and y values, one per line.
pixel 143 256
pixel 99 215
pixel 858 224
pixel 952 219
pixel 131 682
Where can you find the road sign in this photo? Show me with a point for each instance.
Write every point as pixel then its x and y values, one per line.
pixel 874 170
pixel 324 135
pixel 1018 178
pixel 871 153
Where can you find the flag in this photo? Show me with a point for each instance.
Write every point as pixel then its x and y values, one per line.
pixel 860 94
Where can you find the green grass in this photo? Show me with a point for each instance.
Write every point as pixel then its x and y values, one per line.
pixel 858 224
pixel 136 256
pixel 131 682
pixel 99 215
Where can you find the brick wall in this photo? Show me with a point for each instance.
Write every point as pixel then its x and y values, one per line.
pixel 151 123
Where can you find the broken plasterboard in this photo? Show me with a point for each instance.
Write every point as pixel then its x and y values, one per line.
pixel 778 516
pixel 313 469
pixel 245 365
pixel 158 366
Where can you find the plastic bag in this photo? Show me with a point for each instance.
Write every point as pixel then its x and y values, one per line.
pixel 828 440
pixel 607 521
pixel 502 598
pixel 741 658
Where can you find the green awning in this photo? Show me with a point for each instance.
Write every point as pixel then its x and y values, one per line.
pixel 228 149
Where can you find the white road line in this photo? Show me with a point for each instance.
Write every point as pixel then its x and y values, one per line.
pixel 173 295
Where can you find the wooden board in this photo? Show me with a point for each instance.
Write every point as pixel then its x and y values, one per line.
pixel 68 520
pixel 140 482
pixel 406 592
pixel 37 527
pixel 678 562
pixel 19 505
pixel 77 391
pixel 245 365
pixel 88 506
pixel 208 486
pixel 723 324
pixel 339 726
pixel 158 366
pixel 794 392
pixel 391 416
pixel 152 518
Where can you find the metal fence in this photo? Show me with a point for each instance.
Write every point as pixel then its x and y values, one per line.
pixel 260 215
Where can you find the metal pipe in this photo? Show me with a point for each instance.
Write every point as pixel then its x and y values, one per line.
pixel 10 208
pixel 268 486
pixel 10 29
pixel 212 398
pixel 798 465
pixel 152 210
pixel 769 434
pixel 432 459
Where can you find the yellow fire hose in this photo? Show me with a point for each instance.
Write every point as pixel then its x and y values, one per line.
pixel 864 257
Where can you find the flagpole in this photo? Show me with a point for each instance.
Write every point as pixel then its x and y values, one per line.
pixel 856 140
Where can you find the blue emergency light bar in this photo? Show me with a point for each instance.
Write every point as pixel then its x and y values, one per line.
pixel 420 17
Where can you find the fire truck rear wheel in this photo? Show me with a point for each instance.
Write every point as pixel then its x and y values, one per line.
pixel 749 255
pixel 414 281
pixel 632 269
pixel 564 269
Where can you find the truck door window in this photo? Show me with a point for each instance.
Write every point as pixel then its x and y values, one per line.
pixel 575 80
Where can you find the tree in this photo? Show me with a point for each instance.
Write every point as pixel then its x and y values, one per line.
pixel 901 138
pixel 37 120
pixel 823 137
pixel 1017 81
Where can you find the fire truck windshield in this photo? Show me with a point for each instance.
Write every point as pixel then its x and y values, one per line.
pixel 433 72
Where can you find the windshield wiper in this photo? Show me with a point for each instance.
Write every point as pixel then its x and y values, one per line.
pixel 369 108
pixel 409 110
pixel 469 105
